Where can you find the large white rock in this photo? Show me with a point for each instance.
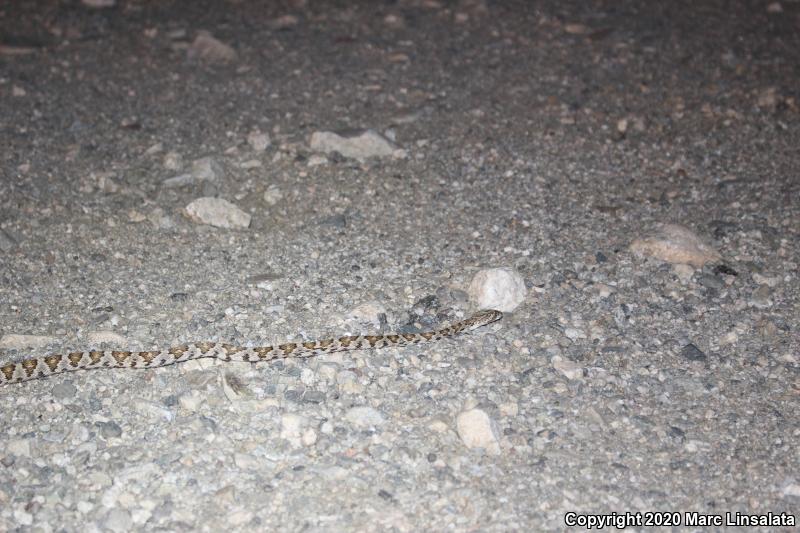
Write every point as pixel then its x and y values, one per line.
pixel 676 244
pixel 499 288
pixel 208 48
pixel 217 212
pixel 477 430
pixel 360 145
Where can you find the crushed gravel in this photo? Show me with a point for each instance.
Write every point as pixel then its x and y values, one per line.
pixel 541 138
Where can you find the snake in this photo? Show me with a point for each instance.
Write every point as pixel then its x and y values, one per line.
pixel 49 365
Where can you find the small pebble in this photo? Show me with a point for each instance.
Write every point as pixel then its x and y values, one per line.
pixel 19 447
pixel 364 416
pixel 109 429
pixel 273 195
pixel 246 461
pixel 258 141
pixel 239 518
pixel 191 400
pixel 7 243
pixel 22 517
pixel 206 168
pixel 208 48
pixel 760 298
pixel 153 411
pixel 118 520
pixel 293 425
pixel 569 369
pixel 693 353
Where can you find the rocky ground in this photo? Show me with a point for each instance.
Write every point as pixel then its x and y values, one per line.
pixel 229 171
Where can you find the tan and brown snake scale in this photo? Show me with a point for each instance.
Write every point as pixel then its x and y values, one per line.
pixel 48 365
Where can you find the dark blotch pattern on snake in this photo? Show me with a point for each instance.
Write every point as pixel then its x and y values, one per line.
pixel 48 365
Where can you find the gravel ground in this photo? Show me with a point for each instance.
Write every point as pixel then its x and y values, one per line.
pixel 541 137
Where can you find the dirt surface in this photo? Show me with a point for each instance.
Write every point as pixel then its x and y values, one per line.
pixel 542 137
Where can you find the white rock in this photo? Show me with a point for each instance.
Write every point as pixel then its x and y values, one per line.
pixel 367 313
pixel 141 516
pixel 316 160
pixel 217 212
pixel 509 409
pixel 308 377
pixel 775 7
pixel 273 195
pixel 364 416
pixel 99 3
pixel 19 447
pixel 603 290
pixel 136 216
pixel 246 461
pixel 675 244
pixel 178 181
pixel 731 337
pixel 153 410
pixel 768 98
pixel 22 517
pixel 771 281
pixel 206 168
pixel 210 49
pixel 477 430
pixel 327 372
pixel 292 425
pixel 683 271
pixel 203 169
pixel 239 518
pixel 791 489
pixel 191 400
pixel 358 145
pixel 284 21
pixel 497 288
pixel 570 369
pixel 347 382
pixel 155 149
pixel 84 507
pixel 309 437
pixel 258 141
pixel 574 333
pixel 118 520
pixel 12 341
pixel 575 28
pixel 438 425
pixel 334 473
pixel 173 160
pixel 346 376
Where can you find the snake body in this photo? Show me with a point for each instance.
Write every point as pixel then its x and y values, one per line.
pixel 48 365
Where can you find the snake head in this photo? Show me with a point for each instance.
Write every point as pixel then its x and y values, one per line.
pixel 483 317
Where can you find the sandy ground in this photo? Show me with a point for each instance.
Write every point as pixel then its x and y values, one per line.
pixel 540 137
